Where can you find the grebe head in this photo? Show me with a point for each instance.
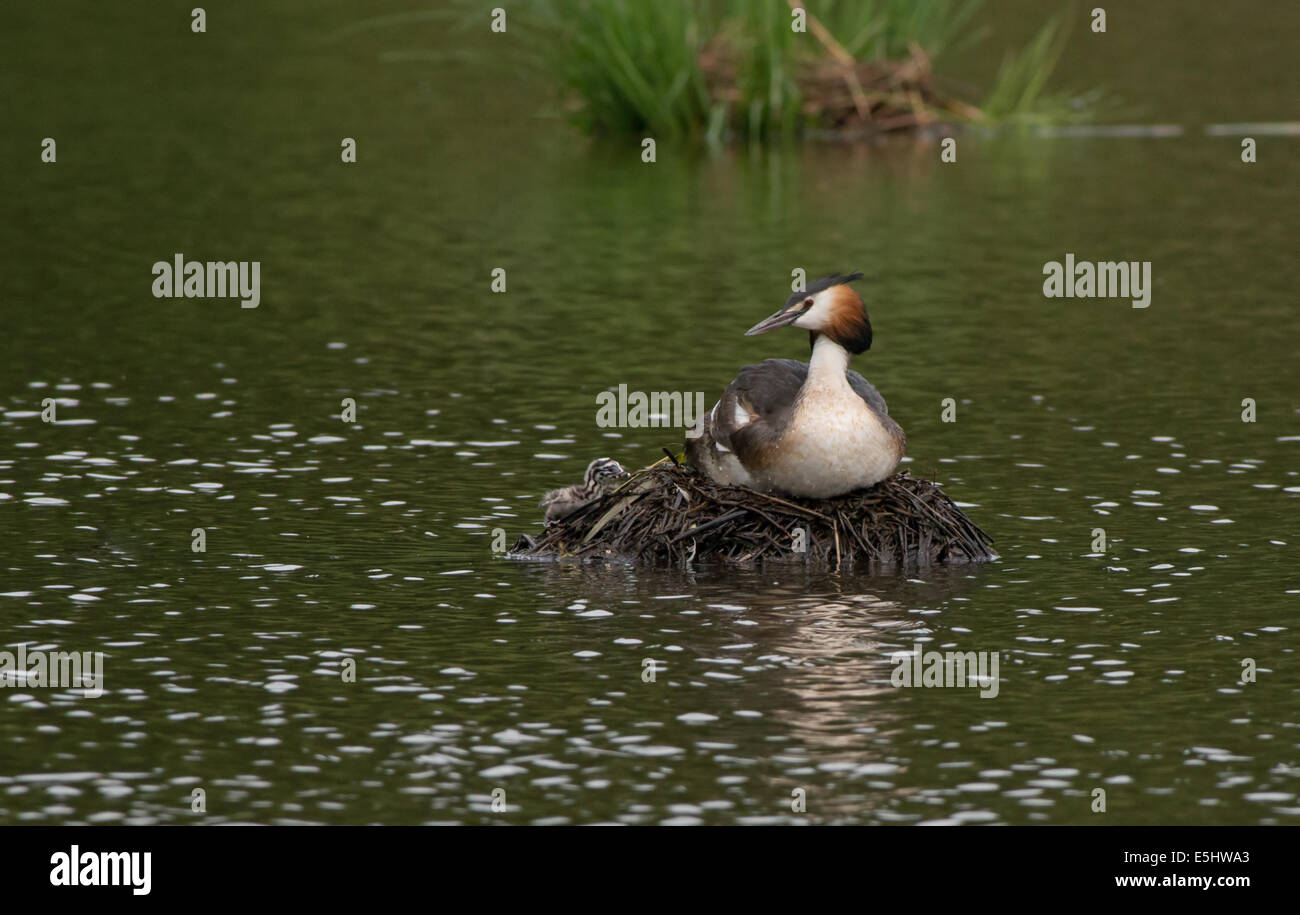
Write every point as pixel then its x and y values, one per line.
pixel 603 472
pixel 828 306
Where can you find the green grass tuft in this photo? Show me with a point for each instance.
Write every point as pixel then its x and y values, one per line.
pixel 735 67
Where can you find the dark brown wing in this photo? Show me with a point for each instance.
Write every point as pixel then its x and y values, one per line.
pixel 757 407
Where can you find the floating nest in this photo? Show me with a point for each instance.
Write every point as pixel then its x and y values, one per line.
pixel 847 97
pixel 671 514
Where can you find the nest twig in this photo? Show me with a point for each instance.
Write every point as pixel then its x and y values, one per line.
pixel 671 514
pixel 840 94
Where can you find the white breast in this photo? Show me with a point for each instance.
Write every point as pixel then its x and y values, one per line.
pixel 834 444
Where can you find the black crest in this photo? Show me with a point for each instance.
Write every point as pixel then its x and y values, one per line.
pixel 826 282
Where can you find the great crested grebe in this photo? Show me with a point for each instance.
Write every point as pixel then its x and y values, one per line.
pixel 812 428
pixel 602 475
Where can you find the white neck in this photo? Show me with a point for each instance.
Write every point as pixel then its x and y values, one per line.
pixel 828 364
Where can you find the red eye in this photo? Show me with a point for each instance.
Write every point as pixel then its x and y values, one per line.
pixel 807 303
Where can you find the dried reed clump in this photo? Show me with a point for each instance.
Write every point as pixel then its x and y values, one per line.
pixel 852 97
pixel 670 514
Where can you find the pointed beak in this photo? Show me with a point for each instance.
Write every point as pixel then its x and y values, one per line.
pixel 783 318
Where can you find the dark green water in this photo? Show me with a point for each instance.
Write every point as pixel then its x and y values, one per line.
pixel 371 541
